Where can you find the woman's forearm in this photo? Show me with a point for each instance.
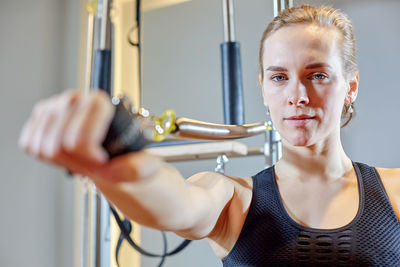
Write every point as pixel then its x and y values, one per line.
pixel 163 200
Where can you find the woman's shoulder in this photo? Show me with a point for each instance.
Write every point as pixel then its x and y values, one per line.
pixel 208 178
pixel 389 174
pixel 391 181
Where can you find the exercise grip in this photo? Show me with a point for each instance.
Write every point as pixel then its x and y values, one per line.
pixel 232 83
pixel 124 134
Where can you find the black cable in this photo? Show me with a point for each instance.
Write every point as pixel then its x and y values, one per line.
pixel 126 233
pixel 131 30
pixel 128 227
pixel 164 236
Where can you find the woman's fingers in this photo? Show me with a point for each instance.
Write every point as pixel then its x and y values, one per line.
pixel 68 130
pixel 29 128
pixel 88 127
pixel 52 143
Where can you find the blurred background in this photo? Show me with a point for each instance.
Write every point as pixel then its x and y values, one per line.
pixel 39 53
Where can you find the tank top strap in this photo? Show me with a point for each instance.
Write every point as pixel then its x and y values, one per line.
pixel 378 229
pixel 264 194
pixel 376 200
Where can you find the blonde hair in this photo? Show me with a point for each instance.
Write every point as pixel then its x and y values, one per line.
pixel 325 17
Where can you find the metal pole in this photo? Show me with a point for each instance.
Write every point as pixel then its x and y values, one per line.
pixel 105 28
pixel 101 78
pixel 280 5
pixel 92 226
pixel 232 84
pixel 277 7
pixel 102 231
pixel 86 225
pixel 229 24
pixel 273 141
pixel 99 232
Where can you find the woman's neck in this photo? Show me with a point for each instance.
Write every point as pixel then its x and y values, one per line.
pixel 324 160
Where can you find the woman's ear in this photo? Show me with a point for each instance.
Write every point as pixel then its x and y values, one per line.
pixel 352 91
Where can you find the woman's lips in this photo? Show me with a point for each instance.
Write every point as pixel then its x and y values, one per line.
pixel 300 120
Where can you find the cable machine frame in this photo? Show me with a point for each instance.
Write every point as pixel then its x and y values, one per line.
pixel 94 224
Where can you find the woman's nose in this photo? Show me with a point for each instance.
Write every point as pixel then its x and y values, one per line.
pixel 299 101
pixel 298 96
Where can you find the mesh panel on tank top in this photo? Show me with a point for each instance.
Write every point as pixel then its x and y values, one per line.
pixel 269 236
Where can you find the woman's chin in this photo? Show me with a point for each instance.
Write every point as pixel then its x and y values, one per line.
pixel 300 143
pixel 301 140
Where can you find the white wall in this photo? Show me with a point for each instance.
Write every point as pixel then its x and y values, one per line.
pixel 38 51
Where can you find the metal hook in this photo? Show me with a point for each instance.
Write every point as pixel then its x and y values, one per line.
pixel 221 161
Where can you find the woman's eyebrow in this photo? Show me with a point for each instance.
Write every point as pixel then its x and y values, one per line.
pixel 318 65
pixel 275 68
pixel 310 66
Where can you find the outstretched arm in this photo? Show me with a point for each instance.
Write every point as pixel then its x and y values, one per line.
pixel 68 130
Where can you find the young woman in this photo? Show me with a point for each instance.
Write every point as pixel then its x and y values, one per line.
pixel 314 207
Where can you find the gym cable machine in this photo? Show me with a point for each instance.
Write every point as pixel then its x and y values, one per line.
pixel 133 129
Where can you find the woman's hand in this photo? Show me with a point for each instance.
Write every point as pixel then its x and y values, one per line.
pixel 68 130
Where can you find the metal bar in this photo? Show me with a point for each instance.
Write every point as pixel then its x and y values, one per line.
pixel 93 246
pixel 86 225
pixel 228 17
pixel 102 231
pixel 101 79
pixel 276 144
pixel 200 130
pixel 251 152
pixel 279 5
pixel 290 4
pixel 232 84
pixel 89 53
pixel 105 28
pixel 273 141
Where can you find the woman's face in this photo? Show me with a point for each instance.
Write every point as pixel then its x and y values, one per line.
pixel 303 84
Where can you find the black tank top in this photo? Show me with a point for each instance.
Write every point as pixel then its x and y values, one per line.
pixel 270 237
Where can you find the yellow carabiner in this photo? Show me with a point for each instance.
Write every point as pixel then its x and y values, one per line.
pixel 268 125
pixel 92 7
pixel 164 125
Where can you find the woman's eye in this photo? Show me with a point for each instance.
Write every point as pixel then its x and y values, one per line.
pixel 278 78
pixel 319 76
